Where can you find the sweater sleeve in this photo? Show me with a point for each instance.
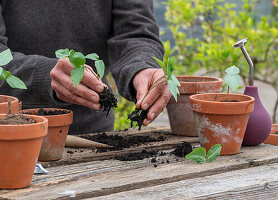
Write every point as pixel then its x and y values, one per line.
pixel 34 71
pixel 134 41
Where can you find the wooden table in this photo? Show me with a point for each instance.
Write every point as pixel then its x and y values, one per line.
pixel 251 174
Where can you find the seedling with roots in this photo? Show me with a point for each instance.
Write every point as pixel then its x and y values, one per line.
pixel 78 60
pixel 168 67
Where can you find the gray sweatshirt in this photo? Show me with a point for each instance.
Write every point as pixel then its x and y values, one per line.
pixel 123 32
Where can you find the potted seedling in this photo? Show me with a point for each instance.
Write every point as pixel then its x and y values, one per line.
pixel 168 67
pixel 78 60
pixel 222 118
pixel 14 82
pixel 20 137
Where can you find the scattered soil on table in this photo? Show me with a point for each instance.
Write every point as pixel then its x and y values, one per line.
pixel 119 142
pixel 138 115
pixel 107 100
pixel 136 156
pixel 16 119
pixel 182 150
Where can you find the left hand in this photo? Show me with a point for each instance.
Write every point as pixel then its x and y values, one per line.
pixel 158 97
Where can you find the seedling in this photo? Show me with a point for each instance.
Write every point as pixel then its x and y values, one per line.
pixel 232 78
pixel 78 60
pixel 168 67
pixel 200 156
pixel 14 82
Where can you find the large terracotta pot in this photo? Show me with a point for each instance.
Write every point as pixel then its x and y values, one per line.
pixel 19 150
pixel 58 125
pixel 273 137
pixel 179 113
pixel 220 122
pixel 4 108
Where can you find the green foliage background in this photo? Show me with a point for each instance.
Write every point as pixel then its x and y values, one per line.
pixel 204 32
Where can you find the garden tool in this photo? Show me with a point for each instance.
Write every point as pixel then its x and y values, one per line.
pixel 259 123
pixel 77 142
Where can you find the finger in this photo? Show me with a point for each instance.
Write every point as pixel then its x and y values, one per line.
pixel 90 80
pixel 141 91
pixel 63 94
pixel 158 106
pixel 153 96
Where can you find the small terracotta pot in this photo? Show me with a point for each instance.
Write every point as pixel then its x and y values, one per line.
pixel 54 143
pixel 221 122
pixel 273 138
pixel 4 108
pixel 180 113
pixel 19 150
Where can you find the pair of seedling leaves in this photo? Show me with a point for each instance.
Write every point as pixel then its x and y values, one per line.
pixel 199 155
pixel 5 58
pixel 232 78
pixel 78 60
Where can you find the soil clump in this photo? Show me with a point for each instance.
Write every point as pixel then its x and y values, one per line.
pixel 107 100
pixel 136 156
pixel 182 150
pixel 16 119
pixel 138 115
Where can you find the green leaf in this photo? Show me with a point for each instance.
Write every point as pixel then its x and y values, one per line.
pixel 3 74
pixel 170 67
pixel 62 53
pixel 162 65
pixel 100 68
pixel 5 57
pixel 176 81
pixel 1 70
pixel 232 81
pixel 77 75
pixel 92 56
pixel 198 155
pixel 233 70
pixel 15 82
pixel 173 89
pixel 77 59
pixel 214 152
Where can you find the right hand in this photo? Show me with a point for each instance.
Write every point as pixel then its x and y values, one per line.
pixel 85 93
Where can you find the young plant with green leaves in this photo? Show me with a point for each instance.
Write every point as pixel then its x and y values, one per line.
pixel 167 66
pixel 199 155
pixel 78 60
pixel 5 58
pixel 232 78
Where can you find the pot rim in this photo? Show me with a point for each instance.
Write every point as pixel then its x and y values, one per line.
pixel 14 99
pixel 53 120
pixel 217 107
pixel 211 79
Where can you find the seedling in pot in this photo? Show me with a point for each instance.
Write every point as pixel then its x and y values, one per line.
pixel 199 155
pixel 232 79
pixel 78 60
pixel 168 67
pixel 14 82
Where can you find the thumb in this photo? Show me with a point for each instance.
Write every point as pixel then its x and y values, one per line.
pixel 142 88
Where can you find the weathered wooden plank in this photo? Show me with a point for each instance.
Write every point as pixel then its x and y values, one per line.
pixel 252 183
pixel 101 178
pixel 79 155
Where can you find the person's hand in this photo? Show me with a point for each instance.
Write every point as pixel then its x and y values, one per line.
pixel 85 93
pixel 158 97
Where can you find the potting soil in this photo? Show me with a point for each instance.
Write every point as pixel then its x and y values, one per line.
pixel 107 100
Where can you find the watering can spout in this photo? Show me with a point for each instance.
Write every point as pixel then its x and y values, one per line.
pixel 240 44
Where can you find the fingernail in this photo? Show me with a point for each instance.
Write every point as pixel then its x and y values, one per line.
pixel 145 106
pixel 152 116
pixel 148 122
pixel 99 88
pixel 94 98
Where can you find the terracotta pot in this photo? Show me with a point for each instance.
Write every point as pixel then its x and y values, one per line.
pixel 4 108
pixel 179 113
pixel 221 122
pixel 19 150
pixel 54 143
pixel 273 138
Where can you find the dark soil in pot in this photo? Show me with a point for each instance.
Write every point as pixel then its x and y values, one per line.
pixel 107 100
pixel 16 119
pixel 119 142
pixel 138 116
pixel 182 150
pixel 51 112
